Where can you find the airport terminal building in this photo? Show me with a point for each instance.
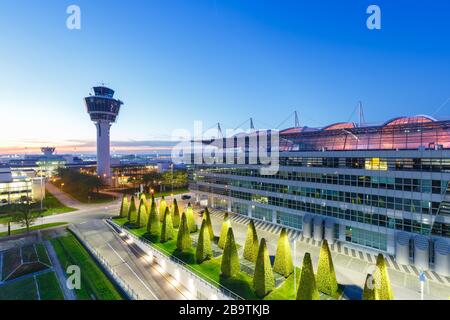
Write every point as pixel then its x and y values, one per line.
pixel 383 188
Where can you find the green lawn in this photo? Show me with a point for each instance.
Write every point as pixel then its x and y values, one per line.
pixel 20 290
pixel 52 206
pixel 34 228
pixel 49 287
pixel 94 283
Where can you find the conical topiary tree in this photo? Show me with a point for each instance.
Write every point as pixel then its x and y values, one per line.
pixel 204 250
pixel 176 214
pixel 207 218
pixel 124 207
pixel 230 266
pixel 132 212
pixel 382 281
pixel 184 242
pixel 326 276
pixel 251 243
pixel 369 292
pixel 153 226
pixel 223 233
pixel 283 258
pixel 167 227
pixel 263 280
pixel 142 218
pixel 190 218
pixel 307 288
pixel 162 208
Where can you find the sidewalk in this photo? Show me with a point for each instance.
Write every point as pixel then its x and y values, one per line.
pixel 63 197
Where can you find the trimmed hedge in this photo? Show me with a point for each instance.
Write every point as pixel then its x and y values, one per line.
pixel 326 276
pixel 153 226
pixel 251 246
pixel 283 258
pixel 263 280
pixel 190 219
pixel 382 282
pixel 142 218
pixel 207 218
pixel 184 242
pixel 223 233
pixel 124 207
pixel 162 208
pixel 230 266
pixel 176 214
pixel 369 292
pixel 204 250
pixel 307 288
pixel 167 227
pixel 132 212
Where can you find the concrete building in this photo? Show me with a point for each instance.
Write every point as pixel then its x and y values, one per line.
pixel 103 110
pixel 16 186
pixel 383 188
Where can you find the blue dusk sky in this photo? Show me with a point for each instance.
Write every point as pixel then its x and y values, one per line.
pixel 176 61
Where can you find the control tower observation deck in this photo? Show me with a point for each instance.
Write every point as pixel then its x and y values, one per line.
pixel 103 109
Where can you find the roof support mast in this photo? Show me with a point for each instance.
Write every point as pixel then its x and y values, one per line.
pixel 361 114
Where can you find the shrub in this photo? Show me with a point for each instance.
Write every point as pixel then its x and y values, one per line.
pixel 142 218
pixel 176 214
pixel 326 276
pixel 124 207
pixel 307 288
pixel 223 233
pixel 167 227
pixel 382 282
pixel 184 239
pixel 190 219
pixel 153 226
pixel 204 250
pixel 369 292
pixel 132 213
pixel 207 217
pixel 162 208
pixel 263 280
pixel 230 266
pixel 283 258
pixel 251 243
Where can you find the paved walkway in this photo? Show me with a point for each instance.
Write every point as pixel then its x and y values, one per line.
pixel 63 197
pixel 69 294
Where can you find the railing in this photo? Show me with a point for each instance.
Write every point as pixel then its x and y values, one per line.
pixel 132 295
pixel 203 278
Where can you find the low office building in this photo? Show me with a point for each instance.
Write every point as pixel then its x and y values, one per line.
pixel 20 186
pixel 384 188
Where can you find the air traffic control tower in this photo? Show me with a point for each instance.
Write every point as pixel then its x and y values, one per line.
pixel 103 109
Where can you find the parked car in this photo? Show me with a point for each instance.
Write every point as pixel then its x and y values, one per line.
pixel 186 197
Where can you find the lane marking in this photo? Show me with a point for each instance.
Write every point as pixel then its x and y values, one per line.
pixel 143 283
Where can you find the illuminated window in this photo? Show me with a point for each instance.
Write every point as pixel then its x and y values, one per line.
pixel 376 164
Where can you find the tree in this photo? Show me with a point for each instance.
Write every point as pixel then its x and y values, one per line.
pixel 307 288
pixel 326 276
pixel 167 227
pixel 223 233
pixel 204 250
pixel 24 215
pixel 142 218
pixel 382 282
pixel 263 280
pixel 251 246
pixel 283 258
pixel 162 208
pixel 124 207
pixel 132 210
pixel 369 292
pixel 184 242
pixel 207 218
pixel 153 226
pixel 151 178
pixel 230 266
pixel 176 214
pixel 190 218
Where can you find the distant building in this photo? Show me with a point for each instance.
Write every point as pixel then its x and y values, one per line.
pixel 16 186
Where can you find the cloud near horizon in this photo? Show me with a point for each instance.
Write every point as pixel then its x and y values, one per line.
pixel 86 146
